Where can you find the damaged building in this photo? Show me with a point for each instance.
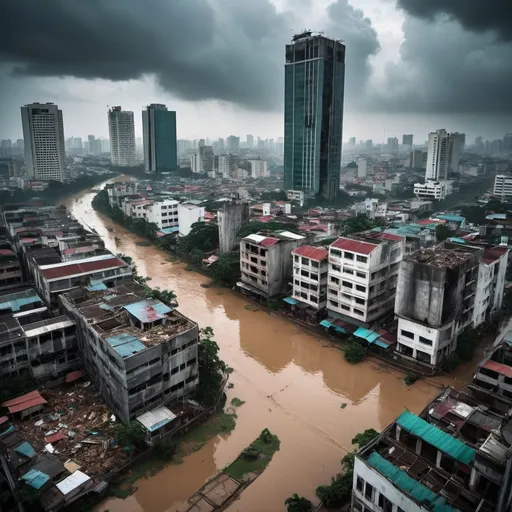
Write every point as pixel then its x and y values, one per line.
pixel 139 352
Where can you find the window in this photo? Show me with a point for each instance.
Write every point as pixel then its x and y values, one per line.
pixel 360 301
pixel 334 303
pixel 346 308
pixel 349 256
pixel 314 264
pixel 359 484
pixel 347 284
pixel 407 334
pixel 368 492
pixel 335 268
pixel 297 258
pixel 362 259
pixel 335 253
pixel 348 271
pixel 426 341
pixel 360 288
pixel 385 504
pixel 361 275
pixel 358 312
pixel 334 280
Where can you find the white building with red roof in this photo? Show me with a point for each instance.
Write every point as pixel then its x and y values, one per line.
pixel 362 276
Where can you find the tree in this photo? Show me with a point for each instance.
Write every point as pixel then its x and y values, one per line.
pixel 226 270
pixel 298 503
pixel 443 232
pixel 363 438
pixel 130 435
pixel 211 368
pixel 203 236
pixel 360 223
pixel 355 352
pixel 338 492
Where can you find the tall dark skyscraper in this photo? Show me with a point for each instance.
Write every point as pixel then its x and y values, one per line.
pixel 159 138
pixel 313 114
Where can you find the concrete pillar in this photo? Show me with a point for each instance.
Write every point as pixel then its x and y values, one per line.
pixel 474 478
pixel 398 430
pixel 438 458
pixel 418 446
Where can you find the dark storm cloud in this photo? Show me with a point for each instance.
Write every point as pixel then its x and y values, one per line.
pixel 475 15
pixel 228 50
pixel 445 69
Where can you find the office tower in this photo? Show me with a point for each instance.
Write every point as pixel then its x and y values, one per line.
pixel 207 158
pixel 218 146
pixel 444 150
pixel 122 137
pixel 43 134
pixel 393 144
pixel 368 144
pixel 352 142
pixel 416 159
pixel 313 114
pixel 250 141
pixel 159 134
pixel 407 141
pixel 233 143
pixel 202 143
pixel 105 145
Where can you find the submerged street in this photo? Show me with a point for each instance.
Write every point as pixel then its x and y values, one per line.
pixel 293 383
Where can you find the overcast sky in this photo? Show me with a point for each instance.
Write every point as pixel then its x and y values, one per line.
pixel 412 66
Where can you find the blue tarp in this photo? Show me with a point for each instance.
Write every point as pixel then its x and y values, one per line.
pixel 97 287
pixel 170 231
pixel 125 344
pixel 325 323
pixel 457 240
pixel 26 449
pixel 35 478
pixel 366 334
pixel 15 305
pixel 10 430
pixel 290 300
pixel 148 310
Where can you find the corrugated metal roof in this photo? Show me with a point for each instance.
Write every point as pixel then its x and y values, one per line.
pixel 35 478
pixel 50 325
pixel 125 344
pixel 157 418
pixel 72 376
pixel 72 482
pixel 419 492
pixel 81 268
pixel 3 419
pixel 451 217
pixel 289 234
pixel 269 241
pixel 436 437
pixel 148 310
pixel 502 369
pixel 54 438
pixel 16 303
pixel 23 402
pixel 290 300
pixel 369 336
pixel 313 253
pixel 26 449
pixel 356 246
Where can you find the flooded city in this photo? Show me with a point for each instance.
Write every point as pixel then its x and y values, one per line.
pixel 293 383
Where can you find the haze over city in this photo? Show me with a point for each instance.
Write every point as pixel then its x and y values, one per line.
pixel 412 66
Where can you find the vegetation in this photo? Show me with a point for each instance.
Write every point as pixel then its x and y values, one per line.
pixel 237 402
pixel 226 270
pixel 212 369
pixel 443 232
pixel 165 449
pixel 411 378
pixel 276 195
pixel 355 352
pixel 467 341
pixel 338 492
pixel 256 457
pixel 298 503
pixel 274 304
pixel 131 435
pixel 203 237
pixel 361 223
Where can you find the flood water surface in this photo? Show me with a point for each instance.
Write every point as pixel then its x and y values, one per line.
pixel 292 383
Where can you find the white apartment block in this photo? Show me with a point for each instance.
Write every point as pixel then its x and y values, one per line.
pixel 43 133
pixel 310 266
pixel 502 185
pixel 195 163
pixel 188 214
pixel 162 213
pixel 122 137
pixel 443 156
pixel 362 167
pixel 363 274
pixel 433 190
pixel 259 168
pixel 266 263
pixel 224 165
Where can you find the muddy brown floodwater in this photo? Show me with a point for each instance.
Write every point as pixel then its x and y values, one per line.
pixel 292 382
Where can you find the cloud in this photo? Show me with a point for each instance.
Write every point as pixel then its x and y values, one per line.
pixel 446 69
pixel 226 50
pixel 474 15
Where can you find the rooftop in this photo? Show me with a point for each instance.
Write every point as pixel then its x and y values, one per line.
pixel 313 253
pixel 85 266
pixel 443 256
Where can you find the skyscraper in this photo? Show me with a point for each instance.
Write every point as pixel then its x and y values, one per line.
pixel 233 143
pixel 122 137
pixel 392 144
pixel 444 151
pixel 313 114
pixel 250 141
pixel 43 133
pixel 159 134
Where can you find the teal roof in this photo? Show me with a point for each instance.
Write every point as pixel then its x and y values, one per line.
pixel 35 478
pixel 148 310
pixel 290 300
pixel 326 323
pixel 366 334
pixel 26 449
pixel 436 437
pixel 17 302
pixel 457 240
pixel 413 488
pixel 125 344
pixel 451 217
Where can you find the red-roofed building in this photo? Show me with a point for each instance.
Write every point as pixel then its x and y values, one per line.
pixel 363 274
pixel 266 263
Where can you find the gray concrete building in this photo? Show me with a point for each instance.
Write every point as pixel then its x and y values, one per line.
pixel 140 353
pixel 230 219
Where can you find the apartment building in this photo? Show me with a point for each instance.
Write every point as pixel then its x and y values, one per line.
pixel 435 300
pixel 188 214
pixel 162 212
pixel 140 353
pixel 10 268
pixel 362 276
pixel 452 457
pixel 502 186
pixel 32 342
pixel 310 268
pixel 266 263
pixel 118 192
pixel 433 190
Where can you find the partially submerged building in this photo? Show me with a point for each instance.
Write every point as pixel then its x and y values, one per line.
pixel 139 352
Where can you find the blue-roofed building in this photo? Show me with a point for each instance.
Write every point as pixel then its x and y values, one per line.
pixel 141 353
pixel 451 457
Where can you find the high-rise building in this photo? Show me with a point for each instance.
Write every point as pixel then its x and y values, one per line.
pixel 159 134
pixel 233 143
pixel 250 141
pixel 207 158
pixel 444 151
pixel 43 133
pixel 393 144
pixel 407 140
pixel 313 114
pixel 507 143
pixel 352 142
pixel 122 137
pixel 202 143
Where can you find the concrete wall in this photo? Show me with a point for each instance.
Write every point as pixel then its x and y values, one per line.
pixel 187 216
pixel 230 220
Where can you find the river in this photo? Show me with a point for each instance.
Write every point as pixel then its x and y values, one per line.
pixel 293 383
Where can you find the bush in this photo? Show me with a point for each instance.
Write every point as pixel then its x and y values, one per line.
pixel 298 503
pixel 355 352
pixel 338 493
pixel 165 449
pixel 411 378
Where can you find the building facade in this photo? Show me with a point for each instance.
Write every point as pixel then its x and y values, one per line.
pixel 122 137
pixel 43 135
pixel 258 168
pixel 189 214
pixel 502 186
pixel 314 89
pixel 159 138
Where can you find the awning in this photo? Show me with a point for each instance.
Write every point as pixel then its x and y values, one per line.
pixel 366 334
pixel 381 344
pixel 24 402
pixel 290 300
pixel 327 323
